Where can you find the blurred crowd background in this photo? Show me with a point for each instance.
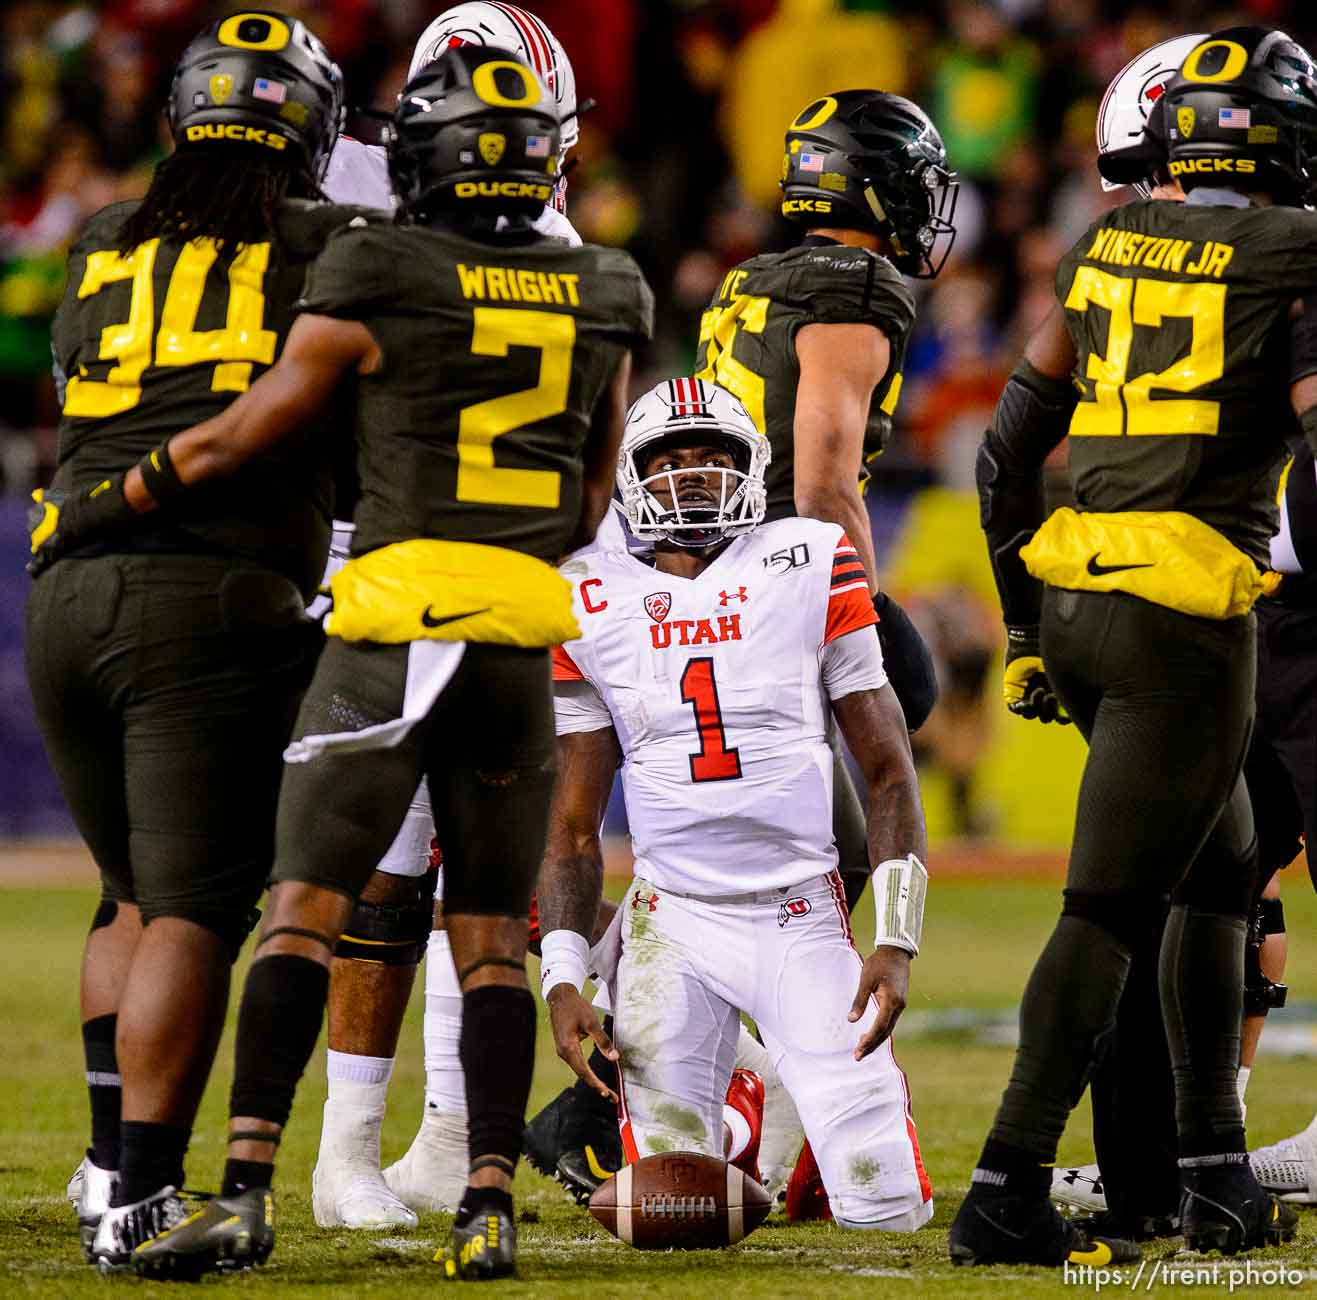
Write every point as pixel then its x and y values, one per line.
pixel 678 162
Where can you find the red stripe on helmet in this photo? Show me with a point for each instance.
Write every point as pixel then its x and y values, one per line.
pixel 539 52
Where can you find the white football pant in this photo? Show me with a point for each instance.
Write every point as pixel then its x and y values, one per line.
pixel 688 967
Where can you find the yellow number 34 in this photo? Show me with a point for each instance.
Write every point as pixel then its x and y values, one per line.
pixel 232 350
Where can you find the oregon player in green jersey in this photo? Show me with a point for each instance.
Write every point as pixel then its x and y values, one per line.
pixel 492 366
pixel 1179 317
pixel 811 340
pixel 166 665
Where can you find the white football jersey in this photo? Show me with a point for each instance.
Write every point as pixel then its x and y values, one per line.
pixel 715 687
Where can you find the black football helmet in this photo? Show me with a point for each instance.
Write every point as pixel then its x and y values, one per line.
pixel 475 132
pixel 259 79
pixel 867 160
pixel 1242 112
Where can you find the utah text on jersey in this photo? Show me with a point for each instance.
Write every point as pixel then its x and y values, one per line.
pixel 715 687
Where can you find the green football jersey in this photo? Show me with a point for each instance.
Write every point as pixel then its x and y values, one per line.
pixel 748 340
pixel 1179 315
pixel 152 342
pixel 494 358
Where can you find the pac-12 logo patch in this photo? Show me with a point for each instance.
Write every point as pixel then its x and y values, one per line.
pixel 657 605
pixel 793 907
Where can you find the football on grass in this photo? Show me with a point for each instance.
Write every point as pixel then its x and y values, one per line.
pixel 680 1201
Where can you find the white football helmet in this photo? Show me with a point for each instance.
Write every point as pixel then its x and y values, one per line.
pixel 487 22
pixel 1130 98
pixel 686 411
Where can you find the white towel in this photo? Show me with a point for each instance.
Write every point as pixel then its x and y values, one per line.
pixel 430 667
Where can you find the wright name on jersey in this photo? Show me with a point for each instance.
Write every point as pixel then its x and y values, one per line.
pixel 540 323
pixel 718 690
pixel 748 340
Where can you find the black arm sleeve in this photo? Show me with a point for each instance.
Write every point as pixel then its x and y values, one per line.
pixel 1032 416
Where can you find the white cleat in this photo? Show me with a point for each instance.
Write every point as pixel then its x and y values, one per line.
pixel 89 1191
pixel 347 1188
pixel 1079 1189
pixel 431 1176
pixel 1289 1168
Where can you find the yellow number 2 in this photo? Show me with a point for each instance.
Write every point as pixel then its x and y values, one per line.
pixel 1122 404
pixel 553 334
pixel 232 350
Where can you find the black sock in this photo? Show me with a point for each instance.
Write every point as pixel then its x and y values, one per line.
pixel 239 1175
pixel 283 1003
pixel 1011 1169
pixel 1068 1004
pixel 150 1157
pixel 482 1200
pixel 1202 995
pixel 104 1089
pixel 498 1056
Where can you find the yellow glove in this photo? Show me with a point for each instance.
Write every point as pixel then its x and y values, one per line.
pixel 1025 688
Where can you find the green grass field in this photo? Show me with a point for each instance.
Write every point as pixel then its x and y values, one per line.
pixel 981 940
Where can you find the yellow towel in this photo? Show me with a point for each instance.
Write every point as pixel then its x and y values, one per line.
pixel 451 591
pixel 1166 557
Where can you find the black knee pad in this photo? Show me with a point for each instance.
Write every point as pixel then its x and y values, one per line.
pixel 1133 917
pixel 105 914
pixel 394 934
pixel 1270 916
pixel 1260 993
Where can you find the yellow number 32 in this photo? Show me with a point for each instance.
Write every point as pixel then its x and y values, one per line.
pixel 1125 405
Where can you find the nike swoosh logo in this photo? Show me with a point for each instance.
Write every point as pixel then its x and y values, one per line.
pixel 1097 570
pixel 429 620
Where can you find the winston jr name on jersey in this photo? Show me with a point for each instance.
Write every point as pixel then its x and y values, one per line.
pixel 715 688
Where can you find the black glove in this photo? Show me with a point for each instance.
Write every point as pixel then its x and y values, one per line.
pixel 908 661
pixel 1025 688
pixel 60 522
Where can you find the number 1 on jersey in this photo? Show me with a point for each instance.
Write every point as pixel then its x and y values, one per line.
pixel 714 762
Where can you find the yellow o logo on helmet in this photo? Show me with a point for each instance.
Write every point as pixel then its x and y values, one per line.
pixel 822 110
pixel 485 85
pixel 1236 62
pixel 277 33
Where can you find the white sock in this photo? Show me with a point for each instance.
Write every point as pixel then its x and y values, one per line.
pixel 359 1080
pixel 1241 1081
pixel 445 1084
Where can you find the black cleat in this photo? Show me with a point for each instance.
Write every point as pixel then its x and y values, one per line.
pixel 1223 1207
pixel 997 1227
pixel 481 1249
pixel 574 1140
pixel 1145 1227
pixel 121 1229
pixel 226 1234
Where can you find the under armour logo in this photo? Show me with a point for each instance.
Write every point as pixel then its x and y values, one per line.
pixel 726 597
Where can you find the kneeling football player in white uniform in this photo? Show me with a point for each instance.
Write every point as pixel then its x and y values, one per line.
pixel 712 677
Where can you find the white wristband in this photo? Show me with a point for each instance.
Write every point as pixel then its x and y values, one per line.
pixel 564 959
pixel 899 887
